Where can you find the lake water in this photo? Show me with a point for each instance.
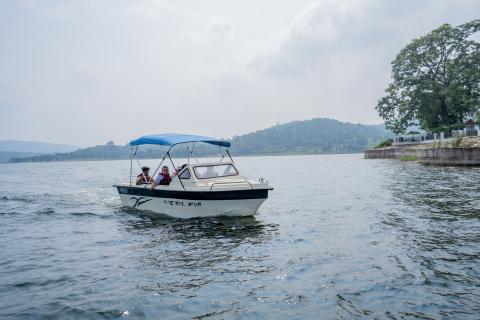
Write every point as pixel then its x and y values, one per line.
pixel 340 237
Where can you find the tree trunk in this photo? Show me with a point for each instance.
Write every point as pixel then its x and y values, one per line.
pixel 443 111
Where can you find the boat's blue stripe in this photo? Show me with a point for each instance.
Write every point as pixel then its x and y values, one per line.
pixel 196 195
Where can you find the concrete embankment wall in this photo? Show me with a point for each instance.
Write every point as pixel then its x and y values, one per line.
pixel 435 156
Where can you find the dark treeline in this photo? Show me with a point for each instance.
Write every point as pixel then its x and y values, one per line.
pixel 314 136
pixel 5 156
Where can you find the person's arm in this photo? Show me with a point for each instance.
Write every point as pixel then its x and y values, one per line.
pixel 141 179
pixel 156 182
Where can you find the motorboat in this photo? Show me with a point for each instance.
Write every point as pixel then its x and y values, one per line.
pixel 196 189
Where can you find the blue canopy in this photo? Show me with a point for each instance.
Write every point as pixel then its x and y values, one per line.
pixel 171 139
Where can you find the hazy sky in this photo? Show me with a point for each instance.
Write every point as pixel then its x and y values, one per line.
pixel 85 72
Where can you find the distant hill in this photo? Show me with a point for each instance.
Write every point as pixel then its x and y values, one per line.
pixel 101 152
pixel 298 137
pixel 35 146
pixel 15 149
pixel 318 135
pixel 6 156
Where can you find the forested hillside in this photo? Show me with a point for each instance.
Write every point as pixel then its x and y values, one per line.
pixel 311 136
pixel 297 137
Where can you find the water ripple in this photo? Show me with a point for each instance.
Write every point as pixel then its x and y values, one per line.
pixel 362 239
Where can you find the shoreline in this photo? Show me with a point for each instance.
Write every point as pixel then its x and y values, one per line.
pixel 464 151
pixel 235 156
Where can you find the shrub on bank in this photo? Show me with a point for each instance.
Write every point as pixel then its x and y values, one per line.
pixel 408 158
pixel 456 143
pixel 384 143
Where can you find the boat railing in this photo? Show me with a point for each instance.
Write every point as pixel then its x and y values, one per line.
pixel 230 182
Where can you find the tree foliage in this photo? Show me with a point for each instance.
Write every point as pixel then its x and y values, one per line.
pixel 436 80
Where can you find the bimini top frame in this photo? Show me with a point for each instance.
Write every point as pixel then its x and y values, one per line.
pixel 171 140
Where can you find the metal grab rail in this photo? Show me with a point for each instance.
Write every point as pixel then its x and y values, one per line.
pixel 230 183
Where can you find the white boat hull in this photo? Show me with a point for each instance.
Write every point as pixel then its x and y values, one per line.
pixel 194 204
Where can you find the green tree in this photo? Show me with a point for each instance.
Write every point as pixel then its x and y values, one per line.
pixel 436 80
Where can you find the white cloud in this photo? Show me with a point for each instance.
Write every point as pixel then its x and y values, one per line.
pixel 327 29
pixel 220 28
pixel 333 59
pixel 85 71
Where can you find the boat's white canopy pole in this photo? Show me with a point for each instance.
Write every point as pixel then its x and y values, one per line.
pixel 163 158
pixel 230 156
pixel 131 164
pixel 221 153
pixel 173 164
pixel 193 153
pixel 140 167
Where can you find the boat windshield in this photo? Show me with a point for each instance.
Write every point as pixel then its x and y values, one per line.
pixel 215 171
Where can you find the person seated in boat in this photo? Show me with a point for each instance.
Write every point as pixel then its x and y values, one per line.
pixel 179 169
pixel 163 178
pixel 144 177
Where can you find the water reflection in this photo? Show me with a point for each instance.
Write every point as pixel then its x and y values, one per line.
pixel 235 229
pixel 184 255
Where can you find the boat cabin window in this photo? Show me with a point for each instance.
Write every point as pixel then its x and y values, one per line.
pixel 214 171
pixel 185 174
